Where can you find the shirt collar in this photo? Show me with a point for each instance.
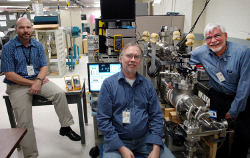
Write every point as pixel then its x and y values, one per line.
pixel 138 79
pixel 19 43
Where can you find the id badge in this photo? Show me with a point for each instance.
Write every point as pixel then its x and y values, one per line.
pixel 213 113
pixel 126 116
pixel 30 70
pixel 220 76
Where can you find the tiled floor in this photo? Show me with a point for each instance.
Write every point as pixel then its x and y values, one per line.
pixel 50 143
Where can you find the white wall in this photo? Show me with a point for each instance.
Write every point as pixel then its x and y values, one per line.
pixel 184 7
pixel 90 11
pixel 198 5
pixel 163 7
pixel 233 14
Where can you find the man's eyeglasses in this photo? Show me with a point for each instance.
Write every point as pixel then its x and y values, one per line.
pixel 216 36
pixel 130 56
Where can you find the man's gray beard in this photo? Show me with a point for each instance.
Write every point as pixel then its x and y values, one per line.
pixel 217 49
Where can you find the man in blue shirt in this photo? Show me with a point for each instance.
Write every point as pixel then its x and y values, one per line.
pixel 228 68
pixel 25 68
pixel 129 114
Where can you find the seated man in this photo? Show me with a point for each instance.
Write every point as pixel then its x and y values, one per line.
pixel 129 114
pixel 25 67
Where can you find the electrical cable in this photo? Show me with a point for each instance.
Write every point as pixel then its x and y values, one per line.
pixel 156 71
pixel 192 28
pixel 137 40
pixel 25 12
pixel 206 3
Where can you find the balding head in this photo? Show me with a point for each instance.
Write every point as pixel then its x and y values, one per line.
pixel 23 20
pixel 24 29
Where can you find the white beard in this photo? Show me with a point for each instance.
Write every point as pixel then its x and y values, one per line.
pixel 216 50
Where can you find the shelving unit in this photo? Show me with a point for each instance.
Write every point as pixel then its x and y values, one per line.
pixel 54 46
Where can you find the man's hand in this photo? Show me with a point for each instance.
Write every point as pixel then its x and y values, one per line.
pixel 228 116
pixel 170 85
pixel 35 87
pixel 46 80
pixel 126 153
pixel 155 153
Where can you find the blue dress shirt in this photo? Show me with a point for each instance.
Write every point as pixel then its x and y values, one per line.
pixel 16 57
pixel 116 95
pixel 235 67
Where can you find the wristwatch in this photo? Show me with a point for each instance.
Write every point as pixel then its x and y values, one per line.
pixel 40 79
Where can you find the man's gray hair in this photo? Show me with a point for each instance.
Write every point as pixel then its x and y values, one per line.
pixel 128 45
pixel 209 27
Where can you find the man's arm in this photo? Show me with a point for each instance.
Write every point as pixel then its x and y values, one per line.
pixel 155 153
pixel 104 118
pixel 126 153
pixel 194 58
pixel 43 72
pixel 156 119
pixel 35 85
pixel 243 89
pixel 14 77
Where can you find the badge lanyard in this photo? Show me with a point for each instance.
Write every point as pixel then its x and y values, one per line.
pixel 126 114
pixel 30 68
pixel 219 75
pixel 26 58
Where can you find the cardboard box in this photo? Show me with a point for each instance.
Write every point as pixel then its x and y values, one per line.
pixel 85 46
pixel 173 117
pixel 167 111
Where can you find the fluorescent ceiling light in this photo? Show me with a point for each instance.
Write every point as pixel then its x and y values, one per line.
pixel 13 7
pixel 18 0
pixel 157 1
pixel 59 0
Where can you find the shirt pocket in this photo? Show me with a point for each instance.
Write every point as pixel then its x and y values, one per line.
pixel 211 69
pixel 232 75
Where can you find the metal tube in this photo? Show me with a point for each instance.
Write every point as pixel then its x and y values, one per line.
pixel 153 57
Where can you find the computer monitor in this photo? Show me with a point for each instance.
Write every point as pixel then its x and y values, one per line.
pixel 97 72
pixel 117 10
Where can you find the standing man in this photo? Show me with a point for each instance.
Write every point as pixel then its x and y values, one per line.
pixel 25 68
pixel 129 114
pixel 228 67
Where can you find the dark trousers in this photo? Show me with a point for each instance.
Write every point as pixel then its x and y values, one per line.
pixel 241 140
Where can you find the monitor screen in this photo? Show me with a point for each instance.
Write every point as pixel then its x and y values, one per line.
pixel 83 17
pixel 97 72
pixel 118 10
